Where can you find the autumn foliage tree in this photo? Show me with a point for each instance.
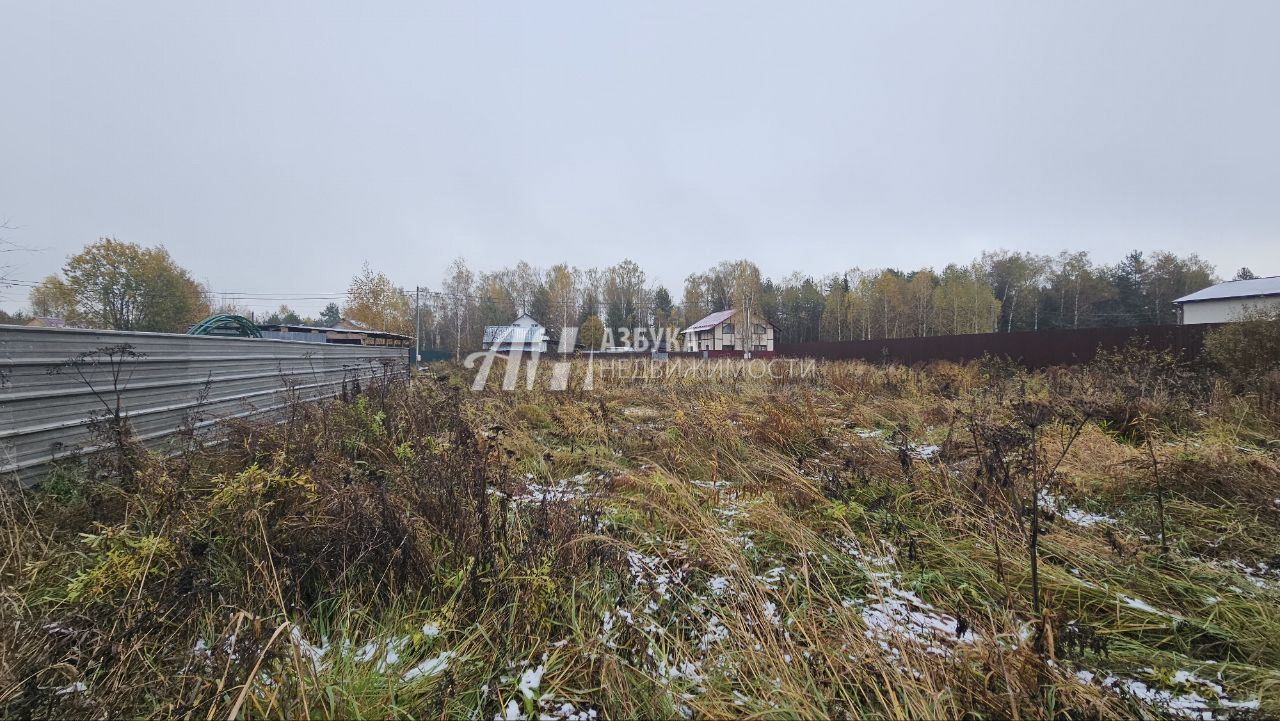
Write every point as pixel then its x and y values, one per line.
pixel 122 286
pixel 591 334
pixel 375 301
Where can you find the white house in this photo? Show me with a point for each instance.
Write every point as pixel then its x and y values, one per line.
pixel 524 333
pixel 727 331
pixel 1227 301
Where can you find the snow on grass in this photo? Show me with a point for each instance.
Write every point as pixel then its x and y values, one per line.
pixel 771 578
pixel 530 681
pixel 924 451
pixel 77 687
pixel 565 711
pixel 770 610
pixel 511 713
pixel 898 614
pixel 654 572
pixel 563 490
pixel 719 585
pixel 1084 518
pixel 1080 517
pixel 852 548
pixel 1140 605
pixel 715 633
pixel 429 667
pixel 1260 575
pixel 309 651
pixel 901 615
pixel 1192 697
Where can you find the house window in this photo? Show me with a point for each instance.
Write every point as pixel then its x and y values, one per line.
pixel 728 329
pixel 758 329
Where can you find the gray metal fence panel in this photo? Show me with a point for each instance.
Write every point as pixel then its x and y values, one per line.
pixel 55 382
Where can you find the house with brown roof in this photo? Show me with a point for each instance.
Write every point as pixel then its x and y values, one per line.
pixel 728 330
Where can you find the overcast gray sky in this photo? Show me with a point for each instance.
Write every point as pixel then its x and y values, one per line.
pixel 276 148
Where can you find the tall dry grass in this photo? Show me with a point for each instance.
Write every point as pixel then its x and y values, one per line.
pixel 856 543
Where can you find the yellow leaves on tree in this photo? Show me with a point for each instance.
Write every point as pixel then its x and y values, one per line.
pixel 376 302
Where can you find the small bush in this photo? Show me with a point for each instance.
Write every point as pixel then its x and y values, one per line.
pixel 1248 351
pixel 531 415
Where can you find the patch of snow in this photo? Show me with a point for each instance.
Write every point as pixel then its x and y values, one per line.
pixel 511 713
pixel 686 670
pixel 891 618
pixel 899 614
pixel 718 585
pixel 1260 575
pixel 77 687
pixel 771 577
pixel 310 651
pixel 366 652
pixel 924 451
pixel 429 667
pixel 771 613
pixel 715 633
pixel 1141 605
pixel 530 680
pixel 564 711
pixel 565 489
pixel 1188 702
pixel 1082 518
pixel 386 652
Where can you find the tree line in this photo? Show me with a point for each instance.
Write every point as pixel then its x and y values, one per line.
pixel 119 285
pixel 1001 291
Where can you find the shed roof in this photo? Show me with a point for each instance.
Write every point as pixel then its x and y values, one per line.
pixel 1235 289
pixel 336 328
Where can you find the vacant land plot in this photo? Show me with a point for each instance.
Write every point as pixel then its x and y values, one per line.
pixel 866 541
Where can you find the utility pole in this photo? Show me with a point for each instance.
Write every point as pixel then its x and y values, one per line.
pixel 417 324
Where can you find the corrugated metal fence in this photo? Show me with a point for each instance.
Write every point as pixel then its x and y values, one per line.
pixel 56 382
pixel 1034 349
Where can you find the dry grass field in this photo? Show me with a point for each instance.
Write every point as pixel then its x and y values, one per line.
pixel 867 541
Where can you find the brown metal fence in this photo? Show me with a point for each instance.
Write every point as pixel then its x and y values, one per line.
pixel 1033 349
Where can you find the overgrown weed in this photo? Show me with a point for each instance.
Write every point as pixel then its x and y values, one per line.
pixel 870 541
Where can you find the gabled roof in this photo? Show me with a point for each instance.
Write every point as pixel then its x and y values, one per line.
pixel 711 321
pixel 716 319
pixel 514 334
pixel 1236 289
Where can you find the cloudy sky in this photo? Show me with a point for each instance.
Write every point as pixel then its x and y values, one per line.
pixel 274 147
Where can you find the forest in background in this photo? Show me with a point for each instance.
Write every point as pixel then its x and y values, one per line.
pixel 119 285
pixel 1002 291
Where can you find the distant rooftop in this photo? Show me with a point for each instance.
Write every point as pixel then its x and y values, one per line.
pixel 342 327
pixel 515 334
pixel 1236 289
